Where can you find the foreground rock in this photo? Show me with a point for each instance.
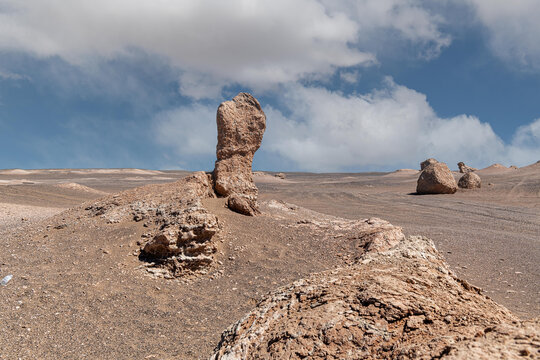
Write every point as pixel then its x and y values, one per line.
pixel 517 340
pixel 436 179
pixel 401 303
pixel 464 168
pixel 427 162
pixel 179 240
pixel 241 124
pixel 470 180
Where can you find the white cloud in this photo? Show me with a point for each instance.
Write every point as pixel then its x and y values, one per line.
pixel 386 129
pixel 513 29
pixel 215 43
pixel 190 130
pixel 382 130
pixel 6 75
pixel 525 146
pixel 350 77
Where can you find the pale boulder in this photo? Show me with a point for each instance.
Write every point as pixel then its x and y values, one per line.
pixel 436 179
pixel 470 180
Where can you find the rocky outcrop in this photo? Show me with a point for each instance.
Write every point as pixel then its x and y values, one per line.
pixel 241 124
pixel 242 205
pixel 427 162
pixel 470 180
pixel 363 235
pixel 436 179
pixel 180 236
pixel 400 303
pixel 464 168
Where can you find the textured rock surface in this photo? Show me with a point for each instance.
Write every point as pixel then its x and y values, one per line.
pixel 464 168
pixel 517 340
pixel 241 124
pixel 470 180
pixel 400 303
pixel 242 204
pixel 180 229
pixel 427 162
pixel 436 179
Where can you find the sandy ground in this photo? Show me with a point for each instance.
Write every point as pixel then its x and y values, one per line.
pixel 77 291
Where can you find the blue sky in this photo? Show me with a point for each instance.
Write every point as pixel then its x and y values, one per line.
pixel 346 85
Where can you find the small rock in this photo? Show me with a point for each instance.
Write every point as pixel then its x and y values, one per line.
pixel 470 180
pixel 464 169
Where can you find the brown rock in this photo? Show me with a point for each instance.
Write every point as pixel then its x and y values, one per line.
pixel 518 340
pixel 470 180
pixel 280 175
pixel 241 124
pixel 436 179
pixel 427 162
pixel 401 303
pixel 180 232
pixel 464 168
pixel 242 205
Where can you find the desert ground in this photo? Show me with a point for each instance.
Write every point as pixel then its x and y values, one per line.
pixel 78 290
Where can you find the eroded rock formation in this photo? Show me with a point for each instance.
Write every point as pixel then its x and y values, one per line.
pixel 241 124
pixel 464 168
pixel 401 303
pixel 436 179
pixel 179 240
pixel 470 180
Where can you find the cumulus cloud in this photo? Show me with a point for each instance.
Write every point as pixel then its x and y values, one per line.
pixel 214 43
pixel 316 129
pixel 525 146
pixel 327 131
pixel 190 130
pixel 513 29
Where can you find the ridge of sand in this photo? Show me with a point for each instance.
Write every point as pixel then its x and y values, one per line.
pixel 403 172
pixel 79 187
pixel 16 172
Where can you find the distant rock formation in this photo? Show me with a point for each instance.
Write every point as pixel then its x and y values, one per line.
pixel 399 303
pixel 470 180
pixel 280 175
pixel 436 179
pixel 464 168
pixel 427 162
pixel 241 124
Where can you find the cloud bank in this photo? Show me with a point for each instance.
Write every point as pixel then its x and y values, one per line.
pixel 217 43
pixel 320 130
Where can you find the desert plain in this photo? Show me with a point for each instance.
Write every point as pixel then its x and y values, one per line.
pixel 79 290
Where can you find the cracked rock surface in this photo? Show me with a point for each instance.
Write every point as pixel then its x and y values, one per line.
pixel 400 303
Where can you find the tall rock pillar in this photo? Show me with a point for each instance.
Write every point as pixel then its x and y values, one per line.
pixel 240 124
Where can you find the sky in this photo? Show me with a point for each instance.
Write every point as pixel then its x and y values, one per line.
pixel 346 85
